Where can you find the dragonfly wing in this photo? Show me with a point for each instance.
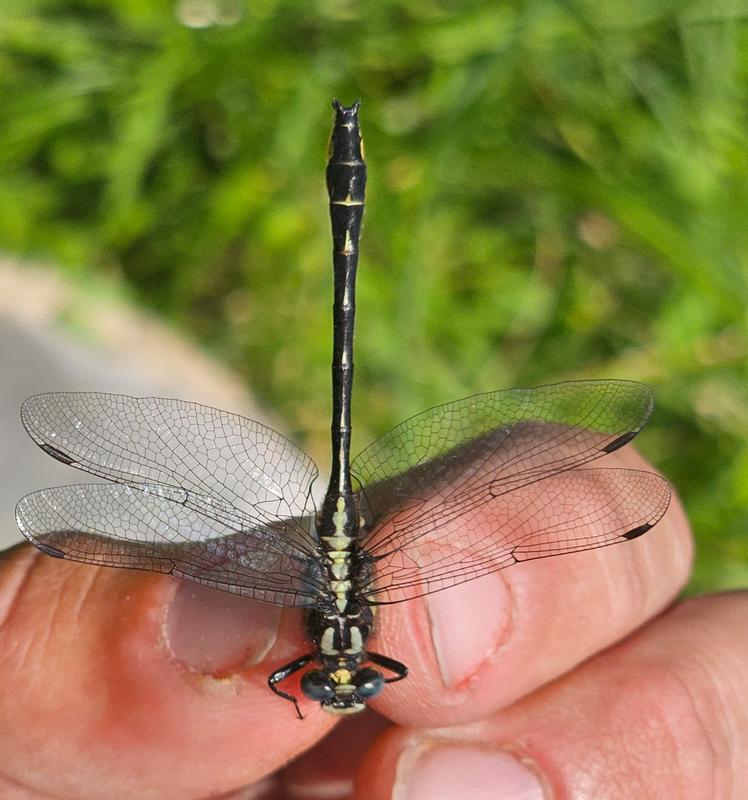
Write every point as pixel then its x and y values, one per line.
pixel 499 441
pixel 217 456
pixel 137 527
pixel 575 510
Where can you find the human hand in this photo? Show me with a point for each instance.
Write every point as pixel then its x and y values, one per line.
pixel 122 684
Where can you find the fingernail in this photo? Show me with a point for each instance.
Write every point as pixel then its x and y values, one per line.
pixel 468 624
pixel 217 633
pixel 446 772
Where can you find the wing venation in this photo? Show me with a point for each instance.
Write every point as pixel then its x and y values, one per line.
pixel 219 458
pixel 488 444
pixel 565 513
pixel 137 527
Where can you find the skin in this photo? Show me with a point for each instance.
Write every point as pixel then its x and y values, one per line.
pixel 593 678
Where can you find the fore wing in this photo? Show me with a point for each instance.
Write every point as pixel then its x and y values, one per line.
pixel 216 462
pixel 489 443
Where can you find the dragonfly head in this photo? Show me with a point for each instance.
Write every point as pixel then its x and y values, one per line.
pixel 342 691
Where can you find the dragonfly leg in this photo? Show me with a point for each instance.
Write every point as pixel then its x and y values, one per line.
pixel 284 672
pixel 400 670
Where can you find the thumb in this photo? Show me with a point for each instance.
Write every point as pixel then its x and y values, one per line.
pixel 122 684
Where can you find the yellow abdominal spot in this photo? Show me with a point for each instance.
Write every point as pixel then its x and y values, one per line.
pixel 339 518
pixel 348 244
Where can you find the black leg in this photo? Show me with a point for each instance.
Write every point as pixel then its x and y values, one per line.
pixel 389 663
pixel 284 672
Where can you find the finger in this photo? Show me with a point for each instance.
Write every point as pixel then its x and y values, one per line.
pixel 661 715
pixel 129 685
pixel 479 646
pixel 326 772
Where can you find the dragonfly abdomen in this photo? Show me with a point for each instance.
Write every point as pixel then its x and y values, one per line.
pixel 346 185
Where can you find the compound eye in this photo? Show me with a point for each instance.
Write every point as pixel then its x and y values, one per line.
pixel 316 685
pixel 369 682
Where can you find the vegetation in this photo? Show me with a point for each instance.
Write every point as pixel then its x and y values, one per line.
pixel 557 190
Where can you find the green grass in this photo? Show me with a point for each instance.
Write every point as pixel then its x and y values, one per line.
pixel 556 190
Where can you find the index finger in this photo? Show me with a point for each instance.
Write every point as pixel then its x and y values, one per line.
pixel 479 646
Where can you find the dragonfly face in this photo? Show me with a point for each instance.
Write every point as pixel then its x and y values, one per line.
pixel 456 492
pixel 341 691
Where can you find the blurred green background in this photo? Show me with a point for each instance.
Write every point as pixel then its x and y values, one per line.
pixel 556 190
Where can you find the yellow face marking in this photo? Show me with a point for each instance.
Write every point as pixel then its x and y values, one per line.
pixel 341 676
pixel 341 603
pixel 354 709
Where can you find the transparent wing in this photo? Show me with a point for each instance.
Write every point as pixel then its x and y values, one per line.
pixel 497 442
pixel 441 545
pixel 226 464
pixel 137 527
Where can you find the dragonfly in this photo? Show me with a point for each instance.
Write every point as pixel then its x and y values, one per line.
pixel 451 494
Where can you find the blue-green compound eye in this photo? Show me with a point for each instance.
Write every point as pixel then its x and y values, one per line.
pixel 369 682
pixel 316 685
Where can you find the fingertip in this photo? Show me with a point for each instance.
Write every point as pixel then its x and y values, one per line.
pixel 405 764
pixel 468 624
pixel 446 640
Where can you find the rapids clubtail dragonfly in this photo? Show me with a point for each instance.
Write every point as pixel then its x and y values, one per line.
pixel 449 495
